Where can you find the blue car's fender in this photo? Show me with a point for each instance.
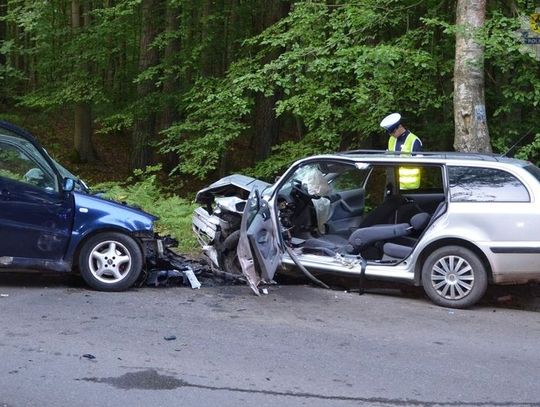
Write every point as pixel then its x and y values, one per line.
pixel 94 214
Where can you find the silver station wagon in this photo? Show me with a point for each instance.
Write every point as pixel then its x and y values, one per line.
pixel 450 222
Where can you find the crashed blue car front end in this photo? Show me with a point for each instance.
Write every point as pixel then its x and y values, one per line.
pixel 50 222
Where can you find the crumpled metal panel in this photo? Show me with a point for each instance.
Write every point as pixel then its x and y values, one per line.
pixel 232 185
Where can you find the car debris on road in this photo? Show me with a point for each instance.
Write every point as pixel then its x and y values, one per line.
pixel 170 268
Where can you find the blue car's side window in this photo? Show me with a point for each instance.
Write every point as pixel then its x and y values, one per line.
pixel 17 165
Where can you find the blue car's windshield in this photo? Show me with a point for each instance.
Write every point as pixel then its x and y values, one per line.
pixel 80 185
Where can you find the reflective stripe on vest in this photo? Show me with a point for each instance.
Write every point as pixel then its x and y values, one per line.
pixel 409 178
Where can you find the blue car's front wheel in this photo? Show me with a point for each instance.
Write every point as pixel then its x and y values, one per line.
pixel 110 261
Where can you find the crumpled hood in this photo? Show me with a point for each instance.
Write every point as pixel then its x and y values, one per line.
pixel 232 185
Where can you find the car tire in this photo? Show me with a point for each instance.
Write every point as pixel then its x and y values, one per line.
pixel 454 277
pixel 110 261
pixel 231 264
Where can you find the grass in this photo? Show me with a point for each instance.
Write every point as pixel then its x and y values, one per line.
pixel 143 191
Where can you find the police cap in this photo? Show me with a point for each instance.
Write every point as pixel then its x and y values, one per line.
pixel 391 122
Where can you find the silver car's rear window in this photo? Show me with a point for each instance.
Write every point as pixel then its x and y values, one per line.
pixel 476 184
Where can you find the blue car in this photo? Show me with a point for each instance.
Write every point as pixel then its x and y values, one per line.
pixel 49 221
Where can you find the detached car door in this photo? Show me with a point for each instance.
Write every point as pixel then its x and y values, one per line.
pixel 258 250
pixel 36 216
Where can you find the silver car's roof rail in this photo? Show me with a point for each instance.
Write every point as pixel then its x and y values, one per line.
pixel 442 154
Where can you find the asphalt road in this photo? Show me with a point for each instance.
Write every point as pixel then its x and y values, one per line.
pixel 64 345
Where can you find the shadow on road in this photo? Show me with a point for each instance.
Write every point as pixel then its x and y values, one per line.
pixel 30 280
pixel 526 297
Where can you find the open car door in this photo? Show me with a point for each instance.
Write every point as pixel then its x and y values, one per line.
pixel 258 250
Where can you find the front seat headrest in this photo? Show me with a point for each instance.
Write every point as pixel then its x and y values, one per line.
pixel 420 220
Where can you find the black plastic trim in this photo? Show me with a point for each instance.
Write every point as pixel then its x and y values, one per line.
pixel 515 250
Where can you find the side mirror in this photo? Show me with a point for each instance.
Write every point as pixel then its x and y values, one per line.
pixel 68 185
pixel 256 200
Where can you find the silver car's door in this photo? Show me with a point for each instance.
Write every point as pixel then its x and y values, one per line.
pixel 258 250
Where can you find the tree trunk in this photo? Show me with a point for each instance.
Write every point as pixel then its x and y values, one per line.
pixel 3 28
pixel 230 24
pixel 83 132
pixel 144 129
pixel 208 56
pixel 266 126
pixel 266 123
pixel 471 131
pixel 171 84
pixel 3 60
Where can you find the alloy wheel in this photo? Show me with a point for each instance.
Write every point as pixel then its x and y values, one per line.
pixel 452 277
pixel 109 261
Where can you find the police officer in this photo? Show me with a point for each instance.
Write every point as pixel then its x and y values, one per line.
pixel 400 139
pixel 403 140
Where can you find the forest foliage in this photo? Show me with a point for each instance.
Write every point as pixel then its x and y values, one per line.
pixel 249 85
pixel 143 190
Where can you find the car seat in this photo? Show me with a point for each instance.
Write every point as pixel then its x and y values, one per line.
pixel 363 237
pixel 404 249
pixel 385 212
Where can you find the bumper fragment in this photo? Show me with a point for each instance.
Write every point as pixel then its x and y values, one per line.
pixel 166 268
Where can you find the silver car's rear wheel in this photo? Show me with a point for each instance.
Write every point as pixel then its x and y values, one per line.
pixel 454 276
pixel 110 261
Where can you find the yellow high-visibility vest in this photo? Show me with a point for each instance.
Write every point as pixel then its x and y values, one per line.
pixel 409 177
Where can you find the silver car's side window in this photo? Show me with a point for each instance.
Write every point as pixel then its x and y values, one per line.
pixel 351 178
pixel 476 184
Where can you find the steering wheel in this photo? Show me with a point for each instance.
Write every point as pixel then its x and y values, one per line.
pixel 301 190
